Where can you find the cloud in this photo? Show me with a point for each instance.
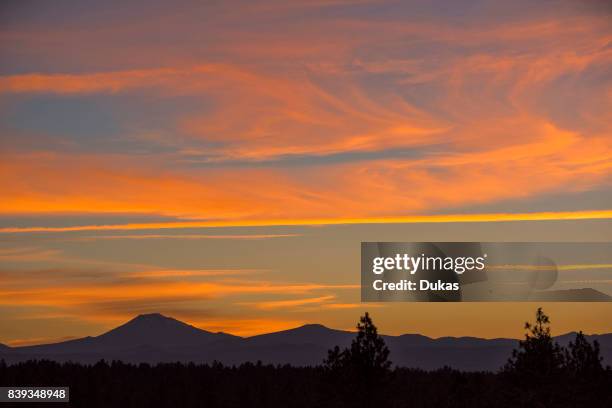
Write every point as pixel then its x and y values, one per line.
pixel 346 306
pixel 416 219
pixel 212 299
pixel 293 303
pixel 182 273
pixel 159 285
pixel 28 254
pixel 582 267
pixel 85 83
pixel 183 236
pixel 498 145
pixel 383 117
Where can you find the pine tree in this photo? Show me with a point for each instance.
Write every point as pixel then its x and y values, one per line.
pixel 538 355
pixel 583 359
pixel 359 374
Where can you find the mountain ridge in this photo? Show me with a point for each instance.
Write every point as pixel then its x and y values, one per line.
pixel 155 338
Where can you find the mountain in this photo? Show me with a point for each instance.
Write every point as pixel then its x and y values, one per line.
pixel 156 338
pixel 570 295
pixel 148 337
pixel 305 345
pixel 158 330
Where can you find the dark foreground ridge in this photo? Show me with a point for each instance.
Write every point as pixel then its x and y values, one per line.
pixel 154 338
pixel 250 385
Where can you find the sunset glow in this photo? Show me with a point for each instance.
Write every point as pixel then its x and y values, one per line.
pixel 204 159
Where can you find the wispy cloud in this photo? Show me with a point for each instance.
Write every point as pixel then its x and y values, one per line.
pixel 214 299
pixel 28 254
pixel 443 218
pixel 293 303
pixel 562 267
pixel 336 306
pixel 141 286
pixel 183 236
pixel 181 273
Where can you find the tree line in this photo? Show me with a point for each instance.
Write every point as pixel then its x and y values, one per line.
pixel 539 373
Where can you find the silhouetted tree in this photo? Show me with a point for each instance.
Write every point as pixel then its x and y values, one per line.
pixel 359 373
pixel 583 358
pixel 538 355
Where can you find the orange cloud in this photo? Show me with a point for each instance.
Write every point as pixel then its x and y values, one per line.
pixel 488 137
pixel 541 159
pixel 180 273
pixel 445 218
pixel 86 83
pixel 118 297
pixel 28 254
pixel 73 295
pixel 293 303
pixel 183 236
pixel 341 306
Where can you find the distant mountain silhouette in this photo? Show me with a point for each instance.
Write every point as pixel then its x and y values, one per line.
pixel 570 295
pixel 158 330
pixel 156 338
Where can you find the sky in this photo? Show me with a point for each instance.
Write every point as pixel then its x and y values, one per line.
pixel 221 161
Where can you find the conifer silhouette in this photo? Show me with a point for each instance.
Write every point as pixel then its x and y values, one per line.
pixel 359 373
pixel 583 359
pixel 538 355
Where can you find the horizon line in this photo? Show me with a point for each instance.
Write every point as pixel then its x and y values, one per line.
pixel 25 343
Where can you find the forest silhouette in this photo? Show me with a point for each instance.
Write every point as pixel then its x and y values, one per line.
pixel 539 373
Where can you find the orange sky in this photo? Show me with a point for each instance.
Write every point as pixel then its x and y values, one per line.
pixel 264 120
